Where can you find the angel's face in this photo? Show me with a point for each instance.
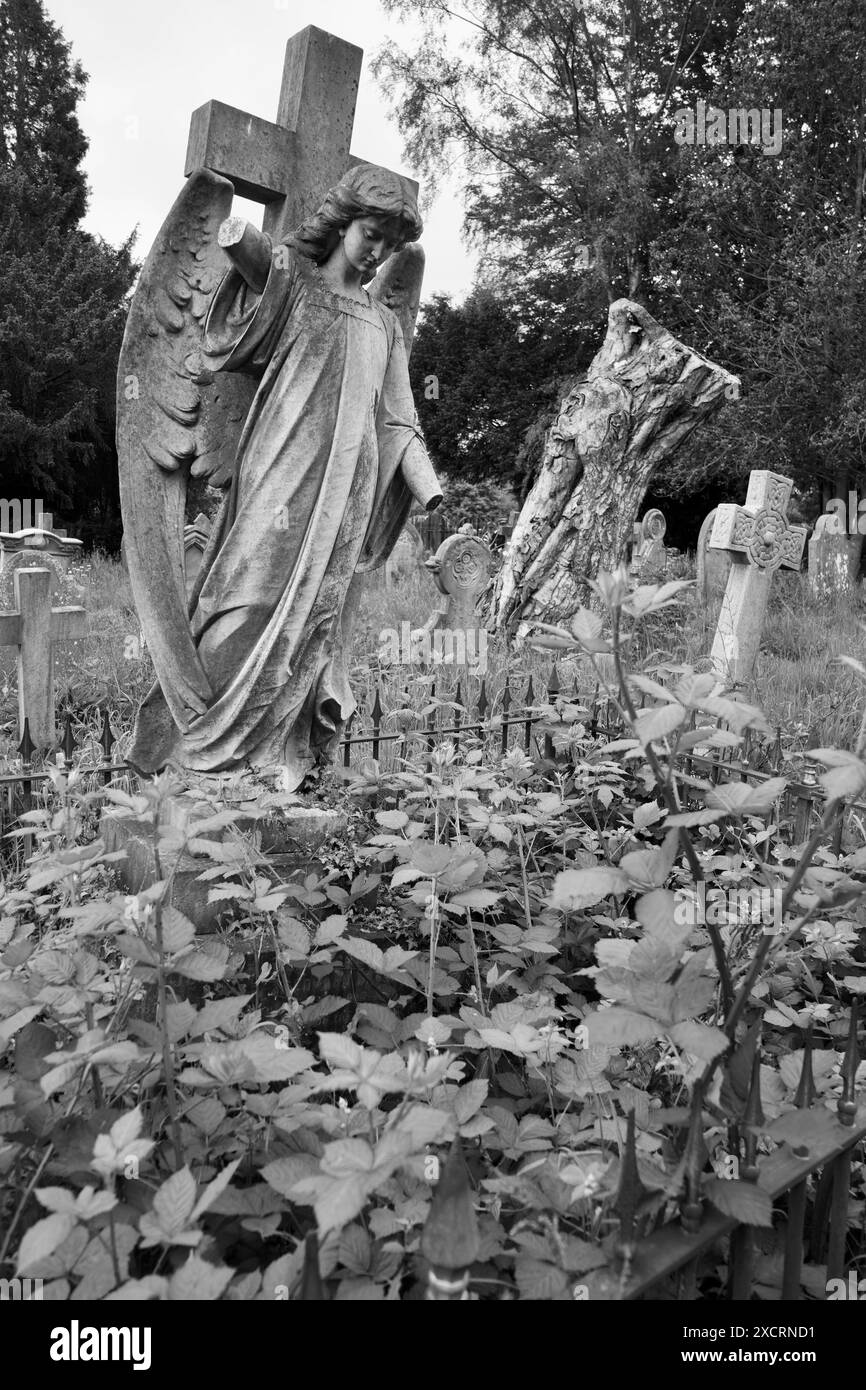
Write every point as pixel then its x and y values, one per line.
pixel 369 241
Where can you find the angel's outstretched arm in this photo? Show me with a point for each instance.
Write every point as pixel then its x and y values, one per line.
pixel 248 249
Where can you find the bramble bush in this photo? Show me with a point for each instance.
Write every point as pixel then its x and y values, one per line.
pixel 503 948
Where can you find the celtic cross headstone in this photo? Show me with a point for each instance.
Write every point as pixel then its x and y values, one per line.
pixel 760 540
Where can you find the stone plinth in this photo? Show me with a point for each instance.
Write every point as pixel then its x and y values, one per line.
pixel 286 842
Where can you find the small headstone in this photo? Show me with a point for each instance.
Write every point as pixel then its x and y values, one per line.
pixel 407 555
pixel 33 627
pixel 760 539
pixel 40 547
pixel 195 539
pixel 829 559
pixel 650 556
pixel 462 567
pixel 713 566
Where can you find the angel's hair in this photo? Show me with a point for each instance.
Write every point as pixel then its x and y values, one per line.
pixel 365 190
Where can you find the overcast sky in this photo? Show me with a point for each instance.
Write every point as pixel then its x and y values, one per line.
pixel 150 65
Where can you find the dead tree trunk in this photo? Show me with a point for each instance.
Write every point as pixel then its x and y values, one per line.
pixel 643 395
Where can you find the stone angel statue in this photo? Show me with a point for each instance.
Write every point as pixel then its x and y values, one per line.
pixel 274 372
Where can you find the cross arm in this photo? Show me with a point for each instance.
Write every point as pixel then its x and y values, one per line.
pixel 10 629
pixel 68 623
pixel 257 155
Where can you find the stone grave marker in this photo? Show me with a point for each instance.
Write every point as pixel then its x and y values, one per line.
pixel 829 559
pixel 650 555
pixel 195 539
pixel 407 555
pixel 33 628
pixel 713 566
pixel 759 539
pixel 461 567
pixel 36 546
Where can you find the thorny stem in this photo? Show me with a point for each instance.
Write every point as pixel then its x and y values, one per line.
pixel 162 1008
pixel 475 962
pixel 664 785
pixel 527 911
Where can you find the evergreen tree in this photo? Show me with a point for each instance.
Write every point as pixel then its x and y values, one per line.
pixel 62 291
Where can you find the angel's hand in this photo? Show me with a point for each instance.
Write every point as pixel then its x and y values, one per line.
pixel 248 249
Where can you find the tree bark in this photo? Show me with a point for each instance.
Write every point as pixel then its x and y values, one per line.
pixel 642 396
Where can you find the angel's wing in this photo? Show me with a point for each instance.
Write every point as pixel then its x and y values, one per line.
pixel 174 417
pixel 398 287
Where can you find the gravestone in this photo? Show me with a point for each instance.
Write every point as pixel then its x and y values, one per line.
pixel 713 566
pixel 462 568
pixel 759 539
pixel 33 627
pixel 829 559
pixel 39 547
pixel 195 539
pixel 407 555
pixel 650 556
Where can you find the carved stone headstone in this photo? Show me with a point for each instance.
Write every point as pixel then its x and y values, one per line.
pixel 713 566
pixel 195 538
pixel 829 559
pixel 650 555
pixel 760 539
pixel 462 567
pixel 40 546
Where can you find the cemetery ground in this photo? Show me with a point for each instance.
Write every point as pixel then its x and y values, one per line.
pixel 543 953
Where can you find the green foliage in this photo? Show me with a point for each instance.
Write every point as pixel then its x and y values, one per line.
pixel 511 953
pixel 62 290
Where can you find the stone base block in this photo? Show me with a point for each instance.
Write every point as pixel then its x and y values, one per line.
pixel 286 843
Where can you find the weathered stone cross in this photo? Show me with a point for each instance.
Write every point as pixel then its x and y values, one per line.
pixel 289 164
pixel 33 629
pixel 759 539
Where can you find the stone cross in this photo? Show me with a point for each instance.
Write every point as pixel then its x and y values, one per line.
pixel 760 539
pixel 288 164
pixel 34 628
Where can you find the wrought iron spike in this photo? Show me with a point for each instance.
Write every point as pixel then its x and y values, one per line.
pixel 458 700
pixel 67 743
pixel 694 1158
pixel 630 1193
pixel 106 737
pixel 753 1118
pixel 450 1241
pixel 506 697
pixel 847 1106
pixel 530 691
pixel 26 747
pixel 553 685
pixel 376 710
pixel 312 1289
pixel 806 1092
pixel 482 700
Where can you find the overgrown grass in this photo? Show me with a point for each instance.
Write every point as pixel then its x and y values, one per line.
pixel 800 682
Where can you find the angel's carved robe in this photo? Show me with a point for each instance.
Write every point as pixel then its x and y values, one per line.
pixel 318 494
